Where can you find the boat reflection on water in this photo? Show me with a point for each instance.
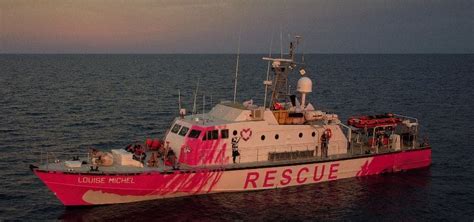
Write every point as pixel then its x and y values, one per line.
pixel 355 198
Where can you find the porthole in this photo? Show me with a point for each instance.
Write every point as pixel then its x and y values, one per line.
pixel 313 134
pixel 277 136
pixel 300 135
pixel 263 137
pixel 234 133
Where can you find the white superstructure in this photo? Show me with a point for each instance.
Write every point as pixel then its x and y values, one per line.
pixel 286 128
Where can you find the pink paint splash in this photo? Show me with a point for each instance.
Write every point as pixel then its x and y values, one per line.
pixel 196 152
pixel 71 192
pixel 202 181
pixel 396 162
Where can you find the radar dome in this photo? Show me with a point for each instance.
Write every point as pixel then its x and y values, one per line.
pixel 305 85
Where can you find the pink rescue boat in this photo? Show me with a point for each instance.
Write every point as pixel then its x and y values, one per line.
pixel 241 147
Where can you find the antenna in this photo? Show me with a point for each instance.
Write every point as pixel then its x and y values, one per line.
pixel 179 99
pixel 282 67
pixel 195 97
pixel 203 104
pixel 289 40
pixel 281 43
pixel 237 66
pixel 267 82
pixel 302 53
pixel 182 112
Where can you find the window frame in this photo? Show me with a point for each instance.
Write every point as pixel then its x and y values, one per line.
pixel 181 130
pixel 191 133
pixel 226 134
pixel 211 135
pixel 174 126
pixel 215 134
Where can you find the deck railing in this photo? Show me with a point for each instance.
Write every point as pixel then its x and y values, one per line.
pixel 258 154
pixel 48 157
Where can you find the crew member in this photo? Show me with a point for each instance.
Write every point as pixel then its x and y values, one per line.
pixel 235 148
pixel 101 158
pixel 139 153
pixel 380 139
pixel 172 159
pixel 324 145
pixel 153 161
pixel 130 148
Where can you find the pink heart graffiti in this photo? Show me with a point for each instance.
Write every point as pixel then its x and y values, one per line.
pixel 246 134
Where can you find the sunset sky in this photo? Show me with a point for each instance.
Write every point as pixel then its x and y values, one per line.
pixel 212 26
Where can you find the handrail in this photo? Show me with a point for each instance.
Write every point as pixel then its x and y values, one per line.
pixel 47 157
pixel 416 128
pixel 260 153
pixel 407 117
pixel 254 154
pixel 349 134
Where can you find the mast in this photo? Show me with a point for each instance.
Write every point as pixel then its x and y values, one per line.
pixel 267 82
pixel 237 67
pixel 281 68
pixel 195 97
pixel 182 112
pixel 179 100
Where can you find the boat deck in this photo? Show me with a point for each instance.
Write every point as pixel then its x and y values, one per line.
pixel 85 168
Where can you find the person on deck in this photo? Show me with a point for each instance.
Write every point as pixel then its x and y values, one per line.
pixel 130 148
pixel 139 153
pixel 324 145
pixel 172 159
pixel 380 139
pixel 153 161
pixel 235 148
pixel 101 158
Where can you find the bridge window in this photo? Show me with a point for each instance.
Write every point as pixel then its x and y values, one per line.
pixel 277 136
pixel 234 133
pixel 263 137
pixel 215 134
pixel 224 133
pixel 194 133
pixel 313 134
pixel 176 128
pixel 183 131
pixel 300 135
pixel 211 135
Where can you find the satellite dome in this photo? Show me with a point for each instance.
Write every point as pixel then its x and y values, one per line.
pixel 305 85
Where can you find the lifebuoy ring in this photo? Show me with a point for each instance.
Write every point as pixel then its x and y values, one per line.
pixel 328 133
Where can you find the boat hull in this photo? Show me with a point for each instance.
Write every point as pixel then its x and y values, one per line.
pixel 74 189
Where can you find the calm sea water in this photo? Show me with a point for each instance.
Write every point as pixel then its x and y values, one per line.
pixel 71 102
